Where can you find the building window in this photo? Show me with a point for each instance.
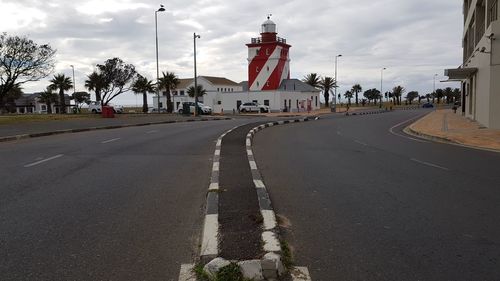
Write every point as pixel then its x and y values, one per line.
pixel 316 101
pixel 256 101
pixel 218 89
pixel 232 90
pixel 219 102
pixel 182 93
pixel 266 102
pixel 44 107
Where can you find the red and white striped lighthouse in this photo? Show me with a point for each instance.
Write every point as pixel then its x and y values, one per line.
pixel 268 59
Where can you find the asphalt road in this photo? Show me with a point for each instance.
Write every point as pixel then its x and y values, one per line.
pixel 124 204
pixel 360 201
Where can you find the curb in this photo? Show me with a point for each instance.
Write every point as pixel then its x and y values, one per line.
pixel 270 266
pixel 367 112
pixel 67 131
pixel 445 140
pixel 210 237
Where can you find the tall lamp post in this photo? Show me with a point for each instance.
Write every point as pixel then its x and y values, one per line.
pixel 161 9
pixel 195 78
pixel 74 86
pixel 434 85
pixel 336 84
pixel 382 84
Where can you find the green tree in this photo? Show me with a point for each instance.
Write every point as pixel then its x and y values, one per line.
pixel 199 90
pixel 95 82
pixel 398 91
pixel 372 94
pixel 169 81
pixel 348 95
pixel 21 61
pixel 326 84
pixel 356 89
pixel 118 78
pixel 143 86
pixel 448 94
pixel 80 98
pixel 411 96
pixel 439 95
pixel 48 97
pixel 456 94
pixel 61 83
pixel 313 79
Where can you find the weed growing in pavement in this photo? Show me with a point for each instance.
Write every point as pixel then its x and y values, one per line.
pixel 286 256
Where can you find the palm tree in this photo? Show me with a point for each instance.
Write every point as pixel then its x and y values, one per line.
pixel 398 91
pixel 143 86
pixel 314 80
pixel 439 95
pixel 95 82
pixel 456 94
pixel 200 91
pixel 348 95
pixel 356 89
pixel 62 83
pixel 169 82
pixel 326 84
pixel 48 97
pixel 448 93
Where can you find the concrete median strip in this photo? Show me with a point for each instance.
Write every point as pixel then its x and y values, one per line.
pixel 270 266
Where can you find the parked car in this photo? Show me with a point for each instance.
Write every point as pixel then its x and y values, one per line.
pixel 155 110
pixel 427 105
pixel 95 107
pixel 253 107
pixel 205 109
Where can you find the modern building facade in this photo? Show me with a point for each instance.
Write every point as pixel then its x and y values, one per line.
pixel 480 70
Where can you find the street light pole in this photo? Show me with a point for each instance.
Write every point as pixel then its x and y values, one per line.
pixel 161 9
pixel 434 87
pixel 382 84
pixel 195 76
pixel 74 86
pixel 336 84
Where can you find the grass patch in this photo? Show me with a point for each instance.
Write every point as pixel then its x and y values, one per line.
pixel 230 272
pixel 286 256
pixel 14 118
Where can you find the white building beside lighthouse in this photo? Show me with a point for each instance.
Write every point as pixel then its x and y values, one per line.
pixel 268 82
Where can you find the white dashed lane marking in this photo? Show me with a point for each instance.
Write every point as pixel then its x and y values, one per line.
pixel 111 140
pixel 429 164
pixel 43 161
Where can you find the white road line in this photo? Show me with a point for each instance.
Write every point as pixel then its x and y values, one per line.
pixel 209 243
pixel 43 161
pixel 271 243
pixel 362 143
pixel 248 142
pixel 152 132
pixel 249 152
pixel 217 152
pixel 429 164
pixel 187 273
pixel 253 165
pixel 111 140
pixel 219 142
pixel 300 274
pixel 391 130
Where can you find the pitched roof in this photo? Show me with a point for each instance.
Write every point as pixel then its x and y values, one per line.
pixel 220 81
pixel 184 83
pixel 296 85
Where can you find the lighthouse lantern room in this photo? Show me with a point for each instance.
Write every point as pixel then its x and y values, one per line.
pixel 268 59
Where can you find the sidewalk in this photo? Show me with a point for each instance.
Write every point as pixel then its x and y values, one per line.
pixel 444 125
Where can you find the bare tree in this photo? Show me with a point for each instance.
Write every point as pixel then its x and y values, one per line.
pixel 21 61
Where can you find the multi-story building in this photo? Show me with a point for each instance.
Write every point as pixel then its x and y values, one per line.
pixel 480 70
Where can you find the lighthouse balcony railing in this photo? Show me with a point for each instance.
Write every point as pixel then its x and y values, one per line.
pixel 259 40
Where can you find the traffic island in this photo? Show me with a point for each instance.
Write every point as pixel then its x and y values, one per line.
pixel 246 240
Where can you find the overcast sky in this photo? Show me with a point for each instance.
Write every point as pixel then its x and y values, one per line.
pixel 414 39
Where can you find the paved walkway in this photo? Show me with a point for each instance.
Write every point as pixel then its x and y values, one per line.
pixel 445 125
